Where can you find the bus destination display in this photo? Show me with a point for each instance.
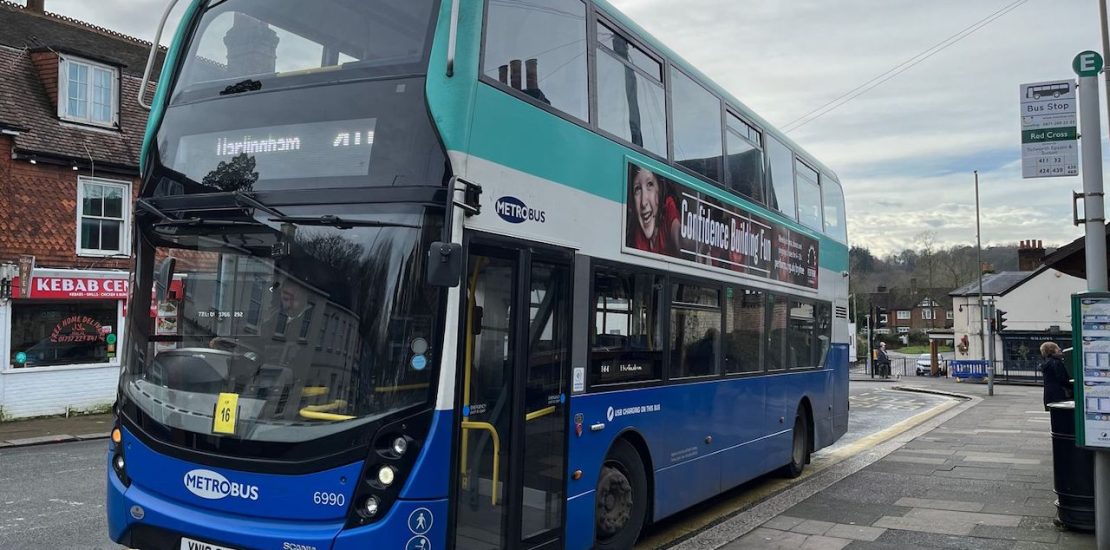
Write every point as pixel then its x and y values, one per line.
pixel 312 150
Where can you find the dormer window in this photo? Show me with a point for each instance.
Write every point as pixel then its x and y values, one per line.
pixel 88 92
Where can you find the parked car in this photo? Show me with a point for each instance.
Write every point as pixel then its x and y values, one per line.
pixel 924 366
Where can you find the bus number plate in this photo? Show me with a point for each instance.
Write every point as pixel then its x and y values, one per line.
pixel 190 544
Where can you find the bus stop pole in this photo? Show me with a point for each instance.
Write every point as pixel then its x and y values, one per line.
pixel 870 363
pixel 1095 251
pixel 990 342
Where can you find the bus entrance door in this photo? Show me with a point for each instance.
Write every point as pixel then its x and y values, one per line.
pixel 516 351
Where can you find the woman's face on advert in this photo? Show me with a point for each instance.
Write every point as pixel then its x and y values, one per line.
pixel 645 191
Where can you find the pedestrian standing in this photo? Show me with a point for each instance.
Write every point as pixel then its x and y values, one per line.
pixel 1057 379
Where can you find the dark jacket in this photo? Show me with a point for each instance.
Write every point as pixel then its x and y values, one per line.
pixel 1057 386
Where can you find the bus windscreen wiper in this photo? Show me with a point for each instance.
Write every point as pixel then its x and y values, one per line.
pixel 325 220
pixel 247 85
pixel 337 222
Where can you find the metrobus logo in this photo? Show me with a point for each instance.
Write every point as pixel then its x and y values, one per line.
pixel 214 486
pixel 513 210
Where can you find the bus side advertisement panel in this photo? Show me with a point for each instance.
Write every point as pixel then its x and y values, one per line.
pixel 666 218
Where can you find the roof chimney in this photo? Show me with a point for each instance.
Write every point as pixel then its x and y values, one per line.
pixel 37 6
pixel 1030 255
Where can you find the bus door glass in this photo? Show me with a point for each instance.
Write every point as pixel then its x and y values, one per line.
pixel 516 348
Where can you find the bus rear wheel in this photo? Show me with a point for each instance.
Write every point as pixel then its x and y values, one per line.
pixel 621 501
pixel 799 451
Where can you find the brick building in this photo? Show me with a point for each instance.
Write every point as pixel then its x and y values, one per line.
pixel 70 135
pixel 913 310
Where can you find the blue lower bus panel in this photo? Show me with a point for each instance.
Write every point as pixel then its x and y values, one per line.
pixel 170 502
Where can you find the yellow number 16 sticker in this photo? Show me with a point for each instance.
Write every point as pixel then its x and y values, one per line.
pixel 227 409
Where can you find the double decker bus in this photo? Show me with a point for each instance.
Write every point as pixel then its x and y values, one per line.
pixel 431 274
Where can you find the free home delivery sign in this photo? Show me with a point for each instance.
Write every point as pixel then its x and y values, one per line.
pixel 73 288
pixel 667 218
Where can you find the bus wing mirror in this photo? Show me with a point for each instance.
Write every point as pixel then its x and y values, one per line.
pixel 445 264
pixel 165 277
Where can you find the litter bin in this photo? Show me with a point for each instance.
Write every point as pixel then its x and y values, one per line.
pixel 1073 471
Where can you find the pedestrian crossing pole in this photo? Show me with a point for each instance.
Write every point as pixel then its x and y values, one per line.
pixel 1088 65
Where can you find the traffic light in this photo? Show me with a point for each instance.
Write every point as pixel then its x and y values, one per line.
pixel 880 317
pixel 999 320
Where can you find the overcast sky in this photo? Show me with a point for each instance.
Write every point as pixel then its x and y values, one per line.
pixel 904 151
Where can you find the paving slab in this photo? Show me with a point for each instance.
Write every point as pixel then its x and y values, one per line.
pixel 980 478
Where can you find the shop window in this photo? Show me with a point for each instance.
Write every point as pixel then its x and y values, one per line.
pixel 88 92
pixel 102 216
pixel 68 333
pixel 746 313
pixel 627 343
pixel 538 48
pixel 695 330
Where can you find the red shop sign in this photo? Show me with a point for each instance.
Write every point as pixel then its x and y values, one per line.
pixel 79 288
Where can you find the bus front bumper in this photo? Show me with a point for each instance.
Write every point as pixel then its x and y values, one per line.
pixel 140 519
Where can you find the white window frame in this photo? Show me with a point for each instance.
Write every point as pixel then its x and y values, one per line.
pixel 903 330
pixel 884 318
pixel 927 314
pixel 125 227
pixel 902 314
pixel 63 92
pixel 949 315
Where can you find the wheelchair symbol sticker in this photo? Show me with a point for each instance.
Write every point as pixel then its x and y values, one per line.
pixel 419 542
pixel 420 522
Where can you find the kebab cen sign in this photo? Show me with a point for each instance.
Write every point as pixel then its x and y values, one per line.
pixel 86 288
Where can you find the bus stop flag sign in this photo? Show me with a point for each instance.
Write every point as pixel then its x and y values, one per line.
pixel 1048 130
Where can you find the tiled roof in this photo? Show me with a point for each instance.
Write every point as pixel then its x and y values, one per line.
pixel 24 29
pixel 995 283
pixel 25 104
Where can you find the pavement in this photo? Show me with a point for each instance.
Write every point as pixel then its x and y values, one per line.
pixel 978 476
pixel 54 429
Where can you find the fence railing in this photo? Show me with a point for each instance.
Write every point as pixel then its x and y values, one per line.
pixel 1013 371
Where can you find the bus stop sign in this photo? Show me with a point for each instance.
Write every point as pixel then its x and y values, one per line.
pixel 1088 63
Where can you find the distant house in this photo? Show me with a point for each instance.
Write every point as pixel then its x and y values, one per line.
pixel 1037 309
pixel 70 135
pixel 913 310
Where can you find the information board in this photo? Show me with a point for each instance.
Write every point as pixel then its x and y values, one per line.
pixel 1091 359
pixel 1048 130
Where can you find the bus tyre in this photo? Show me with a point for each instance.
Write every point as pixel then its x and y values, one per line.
pixel 621 502
pixel 799 451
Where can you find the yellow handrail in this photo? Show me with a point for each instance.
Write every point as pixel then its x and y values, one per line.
pixel 470 303
pixel 540 413
pixel 319 412
pixel 470 425
pixel 316 415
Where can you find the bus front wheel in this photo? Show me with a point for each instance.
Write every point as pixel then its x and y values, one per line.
pixel 799 452
pixel 621 502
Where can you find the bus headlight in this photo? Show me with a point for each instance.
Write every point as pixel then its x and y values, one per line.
pixel 386 475
pixel 370 507
pixel 119 463
pixel 400 445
